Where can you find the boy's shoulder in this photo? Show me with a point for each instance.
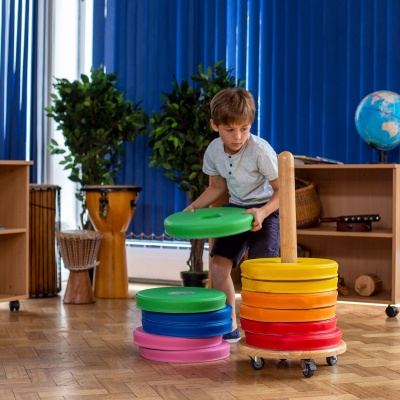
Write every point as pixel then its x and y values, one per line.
pixel 257 139
pixel 215 142
pixel 259 142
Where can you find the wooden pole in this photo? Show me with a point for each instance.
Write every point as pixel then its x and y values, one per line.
pixel 287 208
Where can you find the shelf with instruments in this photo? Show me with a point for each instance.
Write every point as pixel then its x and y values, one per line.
pixel 356 190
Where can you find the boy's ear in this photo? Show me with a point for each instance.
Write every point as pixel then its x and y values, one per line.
pixel 213 126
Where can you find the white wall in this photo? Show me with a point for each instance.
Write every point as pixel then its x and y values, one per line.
pixel 71 35
pixel 158 265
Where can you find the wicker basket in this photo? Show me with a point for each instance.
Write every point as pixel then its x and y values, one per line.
pixel 308 204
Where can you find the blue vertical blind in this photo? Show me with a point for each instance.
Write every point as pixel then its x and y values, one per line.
pixel 25 65
pixel 308 63
pixel 15 67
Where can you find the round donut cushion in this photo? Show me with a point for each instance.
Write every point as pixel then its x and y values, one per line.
pixel 205 223
pixel 214 353
pixel 160 342
pixel 189 318
pixel 271 315
pixel 315 286
pixel 180 299
pixel 272 269
pixel 288 328
pixel 290 301
pixel 295 342
pixel 188 330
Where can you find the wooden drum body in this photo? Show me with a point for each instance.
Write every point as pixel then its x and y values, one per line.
pixel 44 220
pixel 111 209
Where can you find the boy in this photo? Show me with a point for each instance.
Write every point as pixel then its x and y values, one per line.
pixel 246 166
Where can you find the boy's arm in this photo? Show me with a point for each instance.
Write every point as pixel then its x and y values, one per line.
pixel 217 187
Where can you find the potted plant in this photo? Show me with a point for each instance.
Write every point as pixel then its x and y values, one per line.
pixel 179 136
pixel 95 120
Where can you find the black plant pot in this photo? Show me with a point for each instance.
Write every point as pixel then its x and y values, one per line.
pixel 194 279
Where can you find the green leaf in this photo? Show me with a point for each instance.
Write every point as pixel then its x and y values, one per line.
pixel 95 120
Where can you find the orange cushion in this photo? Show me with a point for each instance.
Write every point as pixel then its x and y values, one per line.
pixel 287 301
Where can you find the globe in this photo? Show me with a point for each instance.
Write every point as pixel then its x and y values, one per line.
pixel 377 120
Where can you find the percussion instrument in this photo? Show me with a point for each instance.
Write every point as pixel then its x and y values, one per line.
pixel 44 220
pixel 368 285
pixel 79 249
pixel 353 223
pixel 111 208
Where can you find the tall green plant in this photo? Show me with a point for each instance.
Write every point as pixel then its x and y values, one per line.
pixel 181 132
pixel 95 120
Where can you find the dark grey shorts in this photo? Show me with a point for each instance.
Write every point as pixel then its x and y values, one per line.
pixel 264 243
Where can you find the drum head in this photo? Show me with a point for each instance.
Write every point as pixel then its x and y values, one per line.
pixel 206 223
pixel 111 188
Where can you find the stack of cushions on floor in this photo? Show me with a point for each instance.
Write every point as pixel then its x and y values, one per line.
pixel 290 306
pixel 183 324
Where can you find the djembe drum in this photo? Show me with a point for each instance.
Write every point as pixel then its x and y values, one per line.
pixel 111 208
pixel 79 250
pixel 44 220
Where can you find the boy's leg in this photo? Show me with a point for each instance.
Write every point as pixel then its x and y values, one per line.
pixel 220 268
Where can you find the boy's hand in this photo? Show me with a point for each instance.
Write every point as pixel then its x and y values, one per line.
pixel 258 215
pixel 189 208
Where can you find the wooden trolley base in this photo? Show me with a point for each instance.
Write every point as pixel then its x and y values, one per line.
pixel 307 357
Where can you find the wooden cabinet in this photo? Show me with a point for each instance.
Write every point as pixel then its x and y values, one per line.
pixel 353 190
pixel 14 231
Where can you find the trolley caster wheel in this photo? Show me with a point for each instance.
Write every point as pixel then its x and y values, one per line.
pixel 308 367
pixel 257 363
pixel 332 360
pixel 14 305
pixel 391 311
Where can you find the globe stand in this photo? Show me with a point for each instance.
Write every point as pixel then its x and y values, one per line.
pixel 382 157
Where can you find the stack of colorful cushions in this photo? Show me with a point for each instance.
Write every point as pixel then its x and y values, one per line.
pixel 290 306
pixel 183 324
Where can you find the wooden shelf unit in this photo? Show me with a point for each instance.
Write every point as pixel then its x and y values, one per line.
pixel 14 235
pixel 353 190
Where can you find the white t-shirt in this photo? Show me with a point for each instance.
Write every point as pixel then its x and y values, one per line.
pixel 247 172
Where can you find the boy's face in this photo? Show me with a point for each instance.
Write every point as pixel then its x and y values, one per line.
pixel 234 136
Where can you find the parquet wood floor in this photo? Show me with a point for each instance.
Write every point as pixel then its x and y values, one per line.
pixel 53 351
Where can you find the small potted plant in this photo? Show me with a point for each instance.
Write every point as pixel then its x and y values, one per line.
pixel 95 120
pixel 179 136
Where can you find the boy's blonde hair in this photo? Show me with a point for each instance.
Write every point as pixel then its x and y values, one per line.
pixel 233 106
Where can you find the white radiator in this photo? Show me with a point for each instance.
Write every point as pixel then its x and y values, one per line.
pixel 158 261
